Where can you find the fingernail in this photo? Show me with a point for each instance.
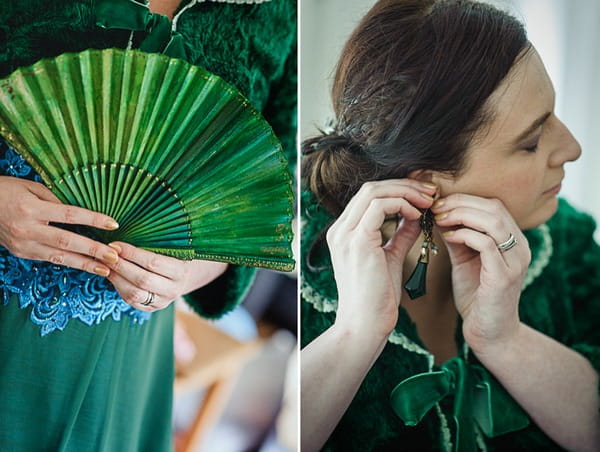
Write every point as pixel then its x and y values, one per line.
pixel 116 247
pixel 447 233
pixel 441 216
pixel 426 196
pixel 439 203
pixel 101 271
pixel 110 257
pixel 111 224
pixel 429 185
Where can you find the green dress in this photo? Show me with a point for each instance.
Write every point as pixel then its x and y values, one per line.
pixel 80 370
pixel 560 298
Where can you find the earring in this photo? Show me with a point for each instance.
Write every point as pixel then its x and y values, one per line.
pixel 415 286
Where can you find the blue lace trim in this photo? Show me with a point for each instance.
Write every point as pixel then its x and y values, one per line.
pixel 56 293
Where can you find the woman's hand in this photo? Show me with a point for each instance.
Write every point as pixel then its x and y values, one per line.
pixel 27 208
pixel 139 273
pixel 368 272
pixel 487 286
pixel 486 282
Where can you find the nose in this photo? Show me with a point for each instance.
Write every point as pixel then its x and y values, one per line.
pixel 567 148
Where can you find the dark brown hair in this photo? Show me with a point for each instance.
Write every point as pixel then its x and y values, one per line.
pixel 409 93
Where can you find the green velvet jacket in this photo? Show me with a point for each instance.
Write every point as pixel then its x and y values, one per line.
pixel 560 298
pixel 252 46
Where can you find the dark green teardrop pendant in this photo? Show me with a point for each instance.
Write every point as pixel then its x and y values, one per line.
pixel 415 286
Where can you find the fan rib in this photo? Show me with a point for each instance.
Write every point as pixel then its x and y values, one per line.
pixel 176 155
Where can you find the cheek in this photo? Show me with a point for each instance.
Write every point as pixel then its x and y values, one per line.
pixel 519 195
pixel 518 187
pixel 522 195
pixel 493 183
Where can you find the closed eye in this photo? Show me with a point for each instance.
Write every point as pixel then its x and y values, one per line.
pixel 532 146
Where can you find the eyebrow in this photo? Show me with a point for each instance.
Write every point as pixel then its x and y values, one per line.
pixel 538 122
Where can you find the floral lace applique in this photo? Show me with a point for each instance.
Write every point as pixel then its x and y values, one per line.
pixel 13 164
pixel 56 293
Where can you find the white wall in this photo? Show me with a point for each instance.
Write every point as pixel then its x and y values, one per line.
pixel 566 33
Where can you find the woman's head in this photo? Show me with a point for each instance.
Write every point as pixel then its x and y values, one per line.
pixel 415 92
pixel 518 157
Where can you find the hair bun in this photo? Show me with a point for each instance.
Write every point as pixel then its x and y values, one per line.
pixel 331 166
pixel 329 142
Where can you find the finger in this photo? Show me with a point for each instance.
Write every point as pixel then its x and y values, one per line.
pixel 68 259
pixel 69 241
pixel 492 205
pixel 76 215
pixel 42 192
pixel 418 192
pixel 413 191
pixel 491 260
pixel 473 218
pixel 156 263
pixel 380 208
pixel 499 225
pixel 402 241
pixel 134 295
pixel 141 277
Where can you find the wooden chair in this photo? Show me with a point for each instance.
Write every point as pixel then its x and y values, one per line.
pixel 215 368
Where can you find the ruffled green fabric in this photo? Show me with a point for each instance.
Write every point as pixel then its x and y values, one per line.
pixel 131 15
pixel 479 402
pixel 561 299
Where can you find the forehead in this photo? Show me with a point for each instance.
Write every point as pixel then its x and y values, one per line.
pixel 525 94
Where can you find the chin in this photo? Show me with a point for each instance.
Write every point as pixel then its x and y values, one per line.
pixel 540 215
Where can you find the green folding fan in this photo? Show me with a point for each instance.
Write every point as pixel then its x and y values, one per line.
pixel 177 156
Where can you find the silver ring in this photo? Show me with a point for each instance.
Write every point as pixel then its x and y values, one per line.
pixel 505 246
pixel 149 299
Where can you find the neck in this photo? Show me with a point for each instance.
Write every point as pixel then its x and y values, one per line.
pixel 434 314
pixel 164 7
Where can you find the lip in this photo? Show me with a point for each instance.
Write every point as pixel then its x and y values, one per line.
pixel 554 190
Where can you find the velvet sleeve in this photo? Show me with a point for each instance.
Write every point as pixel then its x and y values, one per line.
pixel 227 291
pixel 279 109
pixel 224 293
pixel 34 29
pixel 581 257
pixel 585 284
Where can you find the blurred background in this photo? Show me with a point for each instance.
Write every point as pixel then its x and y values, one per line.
pixel 236 383
pixel 565 33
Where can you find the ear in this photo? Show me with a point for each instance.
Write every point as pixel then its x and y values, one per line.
pixel 436 177
pixel 422 175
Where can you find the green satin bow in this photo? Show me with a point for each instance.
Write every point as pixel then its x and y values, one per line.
pixel 478 398
pixel 134 16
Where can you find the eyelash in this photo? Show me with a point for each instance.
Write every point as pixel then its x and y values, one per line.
pixel 534 146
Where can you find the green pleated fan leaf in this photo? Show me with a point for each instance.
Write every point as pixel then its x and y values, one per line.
pixel 177 156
